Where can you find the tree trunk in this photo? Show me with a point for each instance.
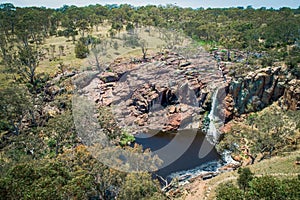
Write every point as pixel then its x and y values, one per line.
pixel 228 55
pixel 16 128
pixel 73 39
pixel 32 118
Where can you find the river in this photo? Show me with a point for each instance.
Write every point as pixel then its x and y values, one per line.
pixel 185 153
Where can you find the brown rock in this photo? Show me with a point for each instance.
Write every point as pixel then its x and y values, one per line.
pixel 247 161
pixel 291 97
pixel 172 109
pixel 173 122
pixel 109 77
pixel 107 101
pixel 53 90
pixel 237 158
pixel 229 167
pixel 226 128
pixel 185 64
pixel 140 121
pixel 184 107
pixel 229 106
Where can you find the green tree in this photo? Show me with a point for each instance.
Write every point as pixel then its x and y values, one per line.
pixel 245 176
pixel 83 26
pixel 81 50
pixel 130 28
pixel 266 188
pixel 46 179
pixel 117 26
pixel 96 54
pixel 15 105
pixel 144 47
pixel 61 130
pixel 229 192
pixel 140 186
pixel 22 62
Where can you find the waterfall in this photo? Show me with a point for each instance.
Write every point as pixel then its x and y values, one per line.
pixel 213 132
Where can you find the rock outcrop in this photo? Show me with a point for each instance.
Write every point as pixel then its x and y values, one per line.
pixel 291 96
pixel 255 91
pixel 165 93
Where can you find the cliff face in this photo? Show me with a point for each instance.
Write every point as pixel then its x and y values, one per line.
pixel 259 89
pixel 291 96
pixel 254 92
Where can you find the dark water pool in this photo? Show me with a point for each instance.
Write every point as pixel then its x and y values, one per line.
pixel 184 153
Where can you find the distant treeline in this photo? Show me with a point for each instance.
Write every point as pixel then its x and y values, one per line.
pixel 239 27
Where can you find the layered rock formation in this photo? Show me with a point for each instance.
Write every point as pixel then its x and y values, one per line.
pixel 291 96
pixel 254 92
pixel 166 93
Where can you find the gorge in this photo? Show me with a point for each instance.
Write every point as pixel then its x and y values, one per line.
pixel 174 97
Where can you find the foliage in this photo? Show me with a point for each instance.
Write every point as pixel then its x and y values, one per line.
pixel 60 131
pixel 140 186
pixel 126 139
pixel 108 123
pixel 144 46
pixel 265 187
pixel 245 176
pixel 47 179
pixel 15 105
pixel 131 41
pixel 75 174
pixel 270 131
pixel 229 192
pixel 81 50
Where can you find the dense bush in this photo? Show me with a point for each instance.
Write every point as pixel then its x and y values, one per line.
pixel 265 187
pixel 81 50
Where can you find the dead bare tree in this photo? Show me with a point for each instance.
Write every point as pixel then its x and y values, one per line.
pixel 144 46
pixel 97 51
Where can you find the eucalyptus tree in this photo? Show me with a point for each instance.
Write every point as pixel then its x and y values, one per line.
pixel 15 105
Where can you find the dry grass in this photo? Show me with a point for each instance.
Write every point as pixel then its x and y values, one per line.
pixel 284 164
pixel 72 62
pixel 50 66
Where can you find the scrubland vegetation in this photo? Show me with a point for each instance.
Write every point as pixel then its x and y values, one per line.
pixel 41 155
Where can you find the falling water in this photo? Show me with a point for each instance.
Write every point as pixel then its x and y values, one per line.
pixel 213 132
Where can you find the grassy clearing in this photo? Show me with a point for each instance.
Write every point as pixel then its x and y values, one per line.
pixel 53 57
pixel 284 164
pixel 50 65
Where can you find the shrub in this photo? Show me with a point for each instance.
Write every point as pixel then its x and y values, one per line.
pixel 245 176
pixel 81 50
pixel 229 192
pixel 126 139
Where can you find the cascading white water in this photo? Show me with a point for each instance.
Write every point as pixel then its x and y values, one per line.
pixel 214 120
